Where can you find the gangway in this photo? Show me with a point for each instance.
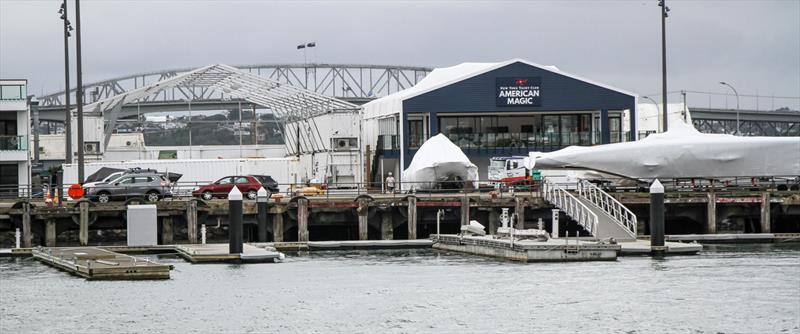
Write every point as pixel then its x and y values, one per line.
pixel 598 212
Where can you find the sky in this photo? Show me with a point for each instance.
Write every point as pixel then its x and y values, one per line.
pixel 753 45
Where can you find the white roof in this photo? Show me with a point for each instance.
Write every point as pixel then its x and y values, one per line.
pixel 440 77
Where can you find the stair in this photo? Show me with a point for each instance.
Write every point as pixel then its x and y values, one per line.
pixel 614 219
pixel 607 227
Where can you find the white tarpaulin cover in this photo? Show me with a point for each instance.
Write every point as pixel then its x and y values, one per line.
pixel 683 152
pixel 437 160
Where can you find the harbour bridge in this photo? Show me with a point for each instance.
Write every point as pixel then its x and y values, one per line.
pixel 355 83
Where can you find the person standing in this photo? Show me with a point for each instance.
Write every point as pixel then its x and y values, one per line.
pixel 390 183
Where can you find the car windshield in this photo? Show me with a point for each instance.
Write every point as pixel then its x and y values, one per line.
pixel 263 179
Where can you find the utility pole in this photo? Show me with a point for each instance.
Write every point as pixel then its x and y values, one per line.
pixel 79 91
pixel 67 113
pixel 664 11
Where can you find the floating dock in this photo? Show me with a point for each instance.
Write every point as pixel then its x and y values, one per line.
pixel 95 263
pixel 553 250
pixel 215 253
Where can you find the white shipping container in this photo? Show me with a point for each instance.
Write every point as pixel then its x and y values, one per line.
pixel 198 172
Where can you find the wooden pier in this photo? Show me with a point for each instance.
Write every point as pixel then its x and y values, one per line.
pixel 95 263
pixel 216 253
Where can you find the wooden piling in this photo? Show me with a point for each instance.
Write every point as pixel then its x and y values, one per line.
pixel 494 218
pixel 277 227
pixel 711 216
pixel 363 211
pixel 191 221
pixel 83 234
pixel 302 220
pixel 412 217
pixel 519 209
pixel 765 213
pixel 27 235
pixel 166 230
pixel 50 233
pixel 464 211
pixel 387 226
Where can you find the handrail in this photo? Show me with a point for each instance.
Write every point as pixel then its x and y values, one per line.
pixel 564 200
pixel 610 205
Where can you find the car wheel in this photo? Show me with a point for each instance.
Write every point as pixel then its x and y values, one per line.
pixel 252 194
pixel 152 196
pixel 207 195
pixel 103 197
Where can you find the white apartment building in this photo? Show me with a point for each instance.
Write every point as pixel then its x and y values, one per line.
pixel 15 175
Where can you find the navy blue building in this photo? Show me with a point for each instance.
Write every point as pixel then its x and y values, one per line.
pixel 496 109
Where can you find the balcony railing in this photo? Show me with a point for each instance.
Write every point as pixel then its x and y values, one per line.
pixel 13 143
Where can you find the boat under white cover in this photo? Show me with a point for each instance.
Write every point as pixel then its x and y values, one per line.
pixel 439 164
pixel 682 152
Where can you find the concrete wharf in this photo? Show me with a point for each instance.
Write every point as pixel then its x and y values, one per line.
pixel 362 217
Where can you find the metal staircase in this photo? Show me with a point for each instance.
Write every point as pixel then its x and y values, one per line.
pixel 621 222
pixel 571 205
pixel 598 212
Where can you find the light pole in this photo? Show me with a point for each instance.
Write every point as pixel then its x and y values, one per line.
pixel 189 101
pixel 67 113
pixel 737 104
pixel 304 46
pixel 664 11
pixel 658 112
pixel 79 91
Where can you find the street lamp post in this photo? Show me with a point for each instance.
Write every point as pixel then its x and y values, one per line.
pixel 79 91
pixel 658 112
pixel 664 11
pixel 737 104
pixel 67 113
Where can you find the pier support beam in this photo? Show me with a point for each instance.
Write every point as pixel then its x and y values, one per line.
pixel 50 233
pixel 765 214
pixel 711 217
pixel 412 218
pixel 166 230
pixel 302 220
pixel 494 218
pixel 519 209
pixel 261 199
pixel 363 215
pixel 277 227
pixel 387 227
pixel 83 232
pixel 657 218
pixel 191 221
pixel 27 235
pixel 465 211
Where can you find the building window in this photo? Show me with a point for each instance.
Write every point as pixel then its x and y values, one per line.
pixel 12 92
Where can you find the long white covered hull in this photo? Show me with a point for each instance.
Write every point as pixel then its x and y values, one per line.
pixel 682 152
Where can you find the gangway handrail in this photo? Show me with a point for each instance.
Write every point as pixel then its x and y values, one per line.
pixel 610 205
pixel 564 200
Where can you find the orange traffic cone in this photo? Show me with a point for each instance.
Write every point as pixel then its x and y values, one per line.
pixel 48 200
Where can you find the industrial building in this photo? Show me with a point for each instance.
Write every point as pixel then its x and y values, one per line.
pixel 495 109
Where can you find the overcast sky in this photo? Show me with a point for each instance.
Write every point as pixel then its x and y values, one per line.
pixel 754 45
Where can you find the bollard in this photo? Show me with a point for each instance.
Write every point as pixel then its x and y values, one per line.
pixel 657 218
pixel 235 215
pixel 17 237
pixel 261 200
pixel 203 234
pixel 554 233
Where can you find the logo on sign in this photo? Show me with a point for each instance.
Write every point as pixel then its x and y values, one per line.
pixel 512 92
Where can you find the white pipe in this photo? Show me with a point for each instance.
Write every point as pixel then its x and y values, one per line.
pixel 203 234
pixel 17 237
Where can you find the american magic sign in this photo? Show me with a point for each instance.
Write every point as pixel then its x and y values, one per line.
pixel 512 92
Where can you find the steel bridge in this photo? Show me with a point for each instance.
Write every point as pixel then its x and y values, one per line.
pixel 751 122
pixel 355 83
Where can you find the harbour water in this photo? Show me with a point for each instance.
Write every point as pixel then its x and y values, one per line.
pixel 727 289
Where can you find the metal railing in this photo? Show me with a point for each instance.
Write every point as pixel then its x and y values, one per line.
pixel 13 143
pixel 564 200
pixel 620 214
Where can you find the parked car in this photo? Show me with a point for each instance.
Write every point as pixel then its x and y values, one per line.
pixel 268 183
pixel 248 185
pixel 150 185
pixel 108 179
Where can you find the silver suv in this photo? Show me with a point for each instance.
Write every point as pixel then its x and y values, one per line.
pixel 152 186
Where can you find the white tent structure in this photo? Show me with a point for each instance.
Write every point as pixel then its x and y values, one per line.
pixel 287 102
pixel 439 163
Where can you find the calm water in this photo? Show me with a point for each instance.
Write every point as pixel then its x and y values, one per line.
pixel 727 289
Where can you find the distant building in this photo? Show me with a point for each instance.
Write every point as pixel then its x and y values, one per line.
pixel 14 133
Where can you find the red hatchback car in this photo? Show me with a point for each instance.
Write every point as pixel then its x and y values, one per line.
pixel 248 185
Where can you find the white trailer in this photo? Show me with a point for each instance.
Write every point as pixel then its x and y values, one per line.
pixel 199 172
